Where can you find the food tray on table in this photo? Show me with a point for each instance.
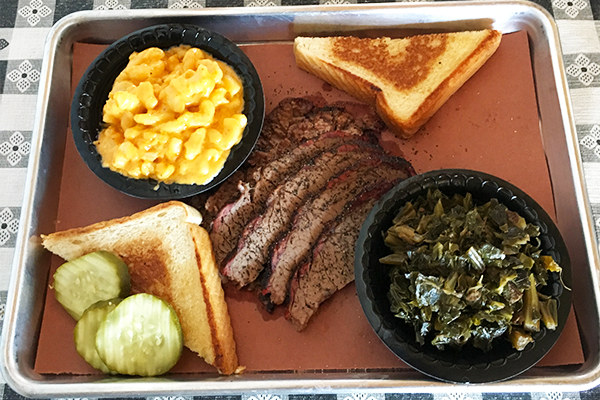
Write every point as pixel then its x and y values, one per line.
pixel 527 138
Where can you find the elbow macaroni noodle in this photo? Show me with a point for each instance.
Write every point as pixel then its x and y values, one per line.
pixel 172 116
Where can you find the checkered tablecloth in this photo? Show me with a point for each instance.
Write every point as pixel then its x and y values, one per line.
pixel 24 25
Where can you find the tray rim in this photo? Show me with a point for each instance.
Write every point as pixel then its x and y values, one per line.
pixel 26 384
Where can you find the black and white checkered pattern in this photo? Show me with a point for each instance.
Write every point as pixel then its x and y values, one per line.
pixel 24 25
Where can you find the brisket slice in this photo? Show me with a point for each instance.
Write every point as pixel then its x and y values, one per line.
pixel 229 223
pixel 331 266
pixel 275 128
pixel 226 228
pixel 297 119
pixel 324 208
pixel 253 247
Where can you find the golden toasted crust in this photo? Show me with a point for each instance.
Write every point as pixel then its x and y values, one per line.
pixel 58 238
pixel 226 360
pixel 341 78
pixel 444 90
pixel 169 256
pixel 147 267
pixel 408 79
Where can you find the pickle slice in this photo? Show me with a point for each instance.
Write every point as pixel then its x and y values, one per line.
pixel 141 336
pixel 89 279
pixel 86 329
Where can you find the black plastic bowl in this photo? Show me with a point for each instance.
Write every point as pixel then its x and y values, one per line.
pixel 469 365
pixel 92 92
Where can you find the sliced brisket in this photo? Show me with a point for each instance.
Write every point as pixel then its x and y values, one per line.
pixel 299 119
pixel 253 247
pixel 331 266
pixel 288 112
pixel 225 231
pixel 314 214
pixel 229 223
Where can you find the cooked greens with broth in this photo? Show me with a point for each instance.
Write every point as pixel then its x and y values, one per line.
pixel 466 273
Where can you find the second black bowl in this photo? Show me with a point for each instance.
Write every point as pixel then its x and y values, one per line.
pixel 93 89
pixel 468 365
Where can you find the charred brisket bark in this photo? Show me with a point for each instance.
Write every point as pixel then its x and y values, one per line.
pixel 331 266
pixel 316 213
pixel 229 223
pixel 252 251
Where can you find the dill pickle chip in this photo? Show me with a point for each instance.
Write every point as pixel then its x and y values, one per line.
pixel 141 336
pixel 86 329
pixel 86 280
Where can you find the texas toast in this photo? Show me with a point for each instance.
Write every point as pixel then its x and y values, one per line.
pixel 407 80
pixel 170 256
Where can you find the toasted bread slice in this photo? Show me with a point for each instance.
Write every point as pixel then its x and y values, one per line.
pixel 407 80
pixel 171 257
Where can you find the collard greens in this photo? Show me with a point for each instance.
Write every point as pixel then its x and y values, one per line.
pixel 465 273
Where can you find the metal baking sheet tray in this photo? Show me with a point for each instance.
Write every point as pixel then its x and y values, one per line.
pixel 281 24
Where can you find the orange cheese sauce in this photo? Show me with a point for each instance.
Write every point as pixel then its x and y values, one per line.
pixel 172 116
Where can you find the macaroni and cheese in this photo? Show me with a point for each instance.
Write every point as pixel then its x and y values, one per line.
pixel 172 116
